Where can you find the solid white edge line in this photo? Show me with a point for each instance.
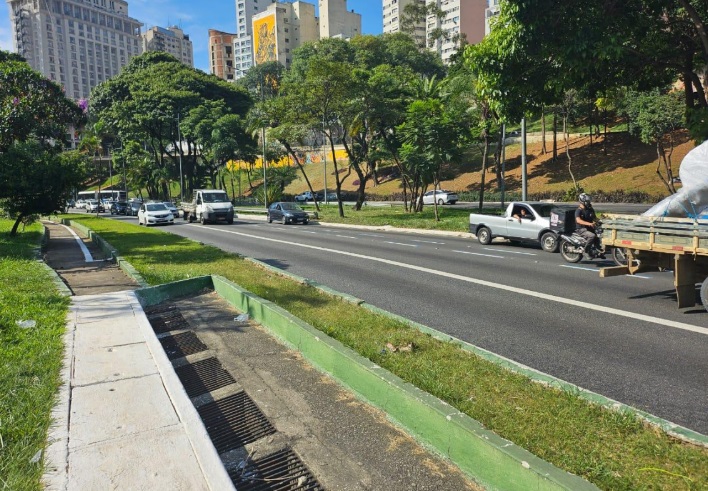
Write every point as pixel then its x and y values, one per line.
pixel 498 286
pixel 87 254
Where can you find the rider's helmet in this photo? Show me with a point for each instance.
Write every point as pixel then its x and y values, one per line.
pixel 585 199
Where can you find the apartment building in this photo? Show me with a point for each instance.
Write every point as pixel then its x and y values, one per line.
pixel 460 17
pixel 493 10
pixel 77 43
pixel 171 40
pixel 337 21
pixel 221 54
pixel 281 28
pixel 392 14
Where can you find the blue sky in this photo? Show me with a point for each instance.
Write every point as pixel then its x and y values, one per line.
pixel 196 18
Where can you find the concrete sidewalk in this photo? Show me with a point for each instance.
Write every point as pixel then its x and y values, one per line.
pixel 123 420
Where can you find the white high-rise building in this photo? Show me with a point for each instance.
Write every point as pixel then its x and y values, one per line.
pixel 77 43
pixel 337 21
pixel 393 11
pixel 243 37
pixel 171 40
pixel 460 17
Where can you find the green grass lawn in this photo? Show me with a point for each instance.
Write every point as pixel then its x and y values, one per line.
pixel 30 358
pixel 614 450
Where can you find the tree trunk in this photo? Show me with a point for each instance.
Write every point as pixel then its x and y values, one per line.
pixel 566 137
pixel 485 151
pixel 555 135
pixel 295 157
pixel 15 226
pixel 543 131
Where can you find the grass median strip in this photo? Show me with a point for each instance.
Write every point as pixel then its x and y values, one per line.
pixel 32 322
pixel 612 449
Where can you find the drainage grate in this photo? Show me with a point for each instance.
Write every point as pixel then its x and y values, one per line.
pixel 170 321
pixel 159 309
pixel 282 470
pixel 183 344
pixel 203 376
pixel 234 421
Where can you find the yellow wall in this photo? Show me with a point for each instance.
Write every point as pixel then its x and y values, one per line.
pixel 305 158
pixel 264 43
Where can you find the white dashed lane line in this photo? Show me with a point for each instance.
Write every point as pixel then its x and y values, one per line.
pixel 399 243
pixel 479 254
pixel 428 242
pixel 510 252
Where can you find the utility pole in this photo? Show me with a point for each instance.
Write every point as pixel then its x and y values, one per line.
pixel 181 180
pixel 523 159
pixel 324 156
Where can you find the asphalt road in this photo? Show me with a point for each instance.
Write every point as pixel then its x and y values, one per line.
pixel 622 337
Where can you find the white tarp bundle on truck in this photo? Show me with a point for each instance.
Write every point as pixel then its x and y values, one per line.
pixel 692 199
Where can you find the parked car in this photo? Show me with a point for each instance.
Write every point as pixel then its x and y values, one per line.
pixel 308 196
pixel 287 213
pixel 172 207
pixel 154 214
pixel 133 207
pixel 119 208
pixel 534 226
pixel 80 204
pixel 94 206
pixel 441 196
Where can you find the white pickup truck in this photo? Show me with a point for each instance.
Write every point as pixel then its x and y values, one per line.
pixel 209 205
pixel 534 227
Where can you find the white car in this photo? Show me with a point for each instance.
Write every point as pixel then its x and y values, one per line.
pixel 441 196
pixel 155 214
pixel 80 204
pixel 94 206
pixel 307 196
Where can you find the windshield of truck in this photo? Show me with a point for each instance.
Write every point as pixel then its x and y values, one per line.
pixel 215 198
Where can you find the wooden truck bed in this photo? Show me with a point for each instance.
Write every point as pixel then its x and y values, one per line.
pixel 655 243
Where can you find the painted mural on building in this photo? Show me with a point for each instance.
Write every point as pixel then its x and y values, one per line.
pixel 265 46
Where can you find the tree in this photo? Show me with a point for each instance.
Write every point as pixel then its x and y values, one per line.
pixel 148 103
pixel 654 118
pixel 35 177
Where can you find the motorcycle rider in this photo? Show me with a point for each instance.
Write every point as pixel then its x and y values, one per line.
pixel 585 219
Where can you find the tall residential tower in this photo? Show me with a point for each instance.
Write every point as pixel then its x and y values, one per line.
pixel 171 40
pixel 393 11
pixel 77 43
pixel 459 17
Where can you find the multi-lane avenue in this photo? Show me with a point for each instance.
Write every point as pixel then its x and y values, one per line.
pixel 622 337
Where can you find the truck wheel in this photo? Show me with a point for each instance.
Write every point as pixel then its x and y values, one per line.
pixel 484 236
pixel 201 219
pixel 185 216
pixel 704 293
pixel 549 242
pixel 619 255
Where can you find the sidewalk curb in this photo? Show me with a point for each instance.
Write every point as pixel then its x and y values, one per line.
pixel 56 279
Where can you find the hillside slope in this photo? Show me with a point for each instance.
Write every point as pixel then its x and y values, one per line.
pixel 623 164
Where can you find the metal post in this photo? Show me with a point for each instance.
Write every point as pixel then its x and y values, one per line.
pixel 324 156
pixel 265 186
pixel 523 159
pixel 181 180
pixel 503 164
pixel 110 170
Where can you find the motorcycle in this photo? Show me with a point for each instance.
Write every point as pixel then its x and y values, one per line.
pixel 573 247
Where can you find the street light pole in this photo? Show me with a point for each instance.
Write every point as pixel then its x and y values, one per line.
pixel 181 180
pixel 324 155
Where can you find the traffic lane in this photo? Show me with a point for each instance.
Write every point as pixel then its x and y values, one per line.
pixel 516 266
pixel 631 362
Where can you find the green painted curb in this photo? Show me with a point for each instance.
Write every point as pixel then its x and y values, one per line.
pixel 493 461
pixel 157 294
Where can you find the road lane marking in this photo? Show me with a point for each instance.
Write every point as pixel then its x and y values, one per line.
pixel 399 243
pixel 479 254
pixel 373 235
pixel 87 254
pixel 428 242
pixel 510 252
pixel 345 236
pixel 489 284
pixel 579 267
